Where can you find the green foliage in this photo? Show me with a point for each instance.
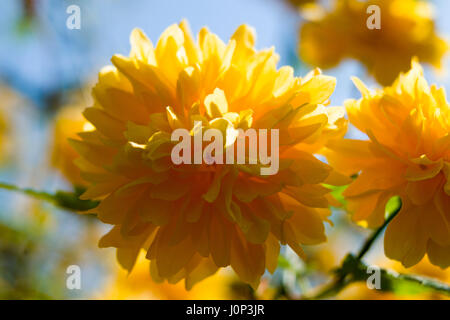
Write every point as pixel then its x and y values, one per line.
pixel 392 206
pixel 72 201
pixel 355 270
pixel 337 193
pixel 17 276
pixel 283 263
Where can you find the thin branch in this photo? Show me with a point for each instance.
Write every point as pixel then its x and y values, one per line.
pixel 340 282
pixel 354 270
pixel 63 199
pixel 30 192
pixel 371 240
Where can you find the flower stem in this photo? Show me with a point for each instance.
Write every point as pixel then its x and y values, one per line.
pixel 340 282
pixel 371 240
pixel 353 269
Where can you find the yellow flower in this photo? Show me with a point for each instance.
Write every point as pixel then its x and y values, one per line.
pixel 407 154
pixel 10 101
pixel 194 219
pixel 138 285
pixel 3 129
pixel 301 3
pixel 68 122
pixel 407 30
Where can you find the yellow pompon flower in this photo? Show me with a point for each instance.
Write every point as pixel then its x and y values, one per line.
pixel 68 122
pixel 408 154
pixel 407 29
pixel 194 219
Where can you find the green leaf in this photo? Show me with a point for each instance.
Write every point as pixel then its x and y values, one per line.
pixel 283 263
pixel 70 200
pixel 392 205
pixel 337 193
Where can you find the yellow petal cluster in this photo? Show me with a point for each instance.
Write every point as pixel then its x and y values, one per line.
pixel 138 285
pixel 194 219
pixel 407 30
pixel 67 123
pixel 407 154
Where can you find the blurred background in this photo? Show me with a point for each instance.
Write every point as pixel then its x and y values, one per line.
pixel 46 73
